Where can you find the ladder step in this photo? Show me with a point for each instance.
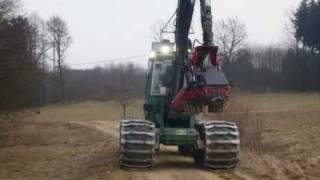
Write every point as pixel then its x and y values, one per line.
pixel 223 141
pixel 138 133
pixel 124 141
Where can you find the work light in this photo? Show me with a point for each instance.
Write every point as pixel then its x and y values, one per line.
pixel 165 49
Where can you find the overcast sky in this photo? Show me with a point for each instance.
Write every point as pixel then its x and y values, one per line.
pixel 108 29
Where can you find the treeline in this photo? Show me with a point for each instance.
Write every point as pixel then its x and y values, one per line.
pixel 306 21
pixel 275 69
pixel 19 67
pixel 122 82
pixel 33 71
pixel 28 44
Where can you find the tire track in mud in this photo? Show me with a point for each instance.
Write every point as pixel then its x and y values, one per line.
pixel 169 164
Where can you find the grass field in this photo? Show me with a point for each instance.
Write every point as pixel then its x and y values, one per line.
pixel 290 137
pixel 54 144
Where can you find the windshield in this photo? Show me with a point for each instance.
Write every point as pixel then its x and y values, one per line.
pixel 160 75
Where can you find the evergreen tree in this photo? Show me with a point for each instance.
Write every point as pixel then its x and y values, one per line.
pixel 307 24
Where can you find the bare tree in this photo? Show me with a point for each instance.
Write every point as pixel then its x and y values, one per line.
pixel 60 41
pixel 125 89
pixel 126 85
pixel 268 61
pixel 8 7
pixel 39 47
pixel 39 38
pixel 229 35
pixel 289 32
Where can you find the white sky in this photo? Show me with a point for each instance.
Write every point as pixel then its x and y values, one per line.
pixel 105 29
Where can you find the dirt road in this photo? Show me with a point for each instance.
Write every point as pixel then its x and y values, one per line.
pixel 169 165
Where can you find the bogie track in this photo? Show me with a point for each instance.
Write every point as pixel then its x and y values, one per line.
pixel 137 142
pixel 221 145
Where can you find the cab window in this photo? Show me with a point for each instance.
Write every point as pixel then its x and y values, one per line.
pixel 159 71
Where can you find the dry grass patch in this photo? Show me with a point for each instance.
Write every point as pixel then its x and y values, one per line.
pixel 281 132
pixel 41 149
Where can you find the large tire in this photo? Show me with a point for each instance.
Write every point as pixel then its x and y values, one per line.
pixel 137 144
pixel 221 145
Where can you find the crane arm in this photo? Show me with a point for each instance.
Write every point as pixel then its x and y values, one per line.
pixel 183 24
pixel 205 85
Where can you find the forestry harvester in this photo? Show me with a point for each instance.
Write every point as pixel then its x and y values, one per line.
pixel 182 81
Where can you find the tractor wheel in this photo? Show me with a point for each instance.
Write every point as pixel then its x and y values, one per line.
pixel 221 145
pixel 137 144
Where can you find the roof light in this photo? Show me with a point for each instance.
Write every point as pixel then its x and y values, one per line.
pixel 165 49
pixel 152 55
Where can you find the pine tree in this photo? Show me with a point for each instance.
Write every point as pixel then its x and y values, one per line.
pixel 307 24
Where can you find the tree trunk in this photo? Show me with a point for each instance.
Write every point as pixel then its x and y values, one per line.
pixel 60 71
pixel 124 113
pixel 61 83
pixel 44 99
pixel 227 67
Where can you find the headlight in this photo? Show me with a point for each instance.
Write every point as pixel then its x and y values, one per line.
pixel 165 49
pixel 152 55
